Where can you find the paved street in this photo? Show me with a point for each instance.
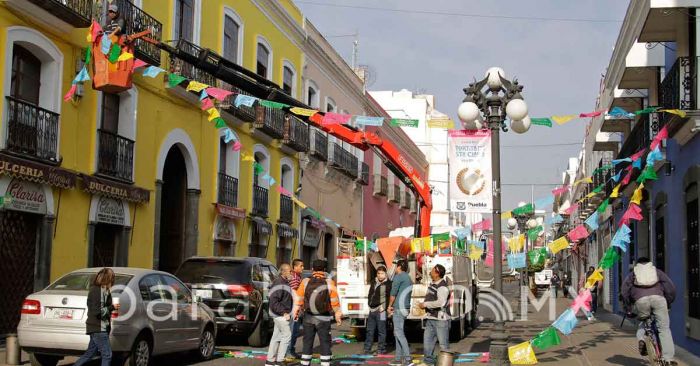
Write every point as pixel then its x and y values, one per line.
pixel 600 342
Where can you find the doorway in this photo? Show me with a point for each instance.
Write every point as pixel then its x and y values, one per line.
pixel 172 212
pixel 107 239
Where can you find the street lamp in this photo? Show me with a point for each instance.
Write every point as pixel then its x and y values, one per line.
pixel 522 222
pixel 486 105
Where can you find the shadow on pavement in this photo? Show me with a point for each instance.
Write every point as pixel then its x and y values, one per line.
pixel 622 360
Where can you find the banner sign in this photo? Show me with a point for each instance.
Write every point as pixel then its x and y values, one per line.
pixel 470 171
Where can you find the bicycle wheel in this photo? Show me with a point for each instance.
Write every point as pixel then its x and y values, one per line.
pixel 652 354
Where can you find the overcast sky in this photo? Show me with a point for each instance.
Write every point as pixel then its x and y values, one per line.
pixel 419 47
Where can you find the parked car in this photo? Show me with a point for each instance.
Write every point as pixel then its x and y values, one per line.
pixel 543 279
pixel 52 324
pixel 236 290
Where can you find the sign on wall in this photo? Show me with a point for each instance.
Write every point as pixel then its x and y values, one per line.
pixel 25 196
pixel 470 171
pixel 224 229
pixel 110 211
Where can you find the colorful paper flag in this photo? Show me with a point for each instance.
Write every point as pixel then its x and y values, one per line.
pixel 560 190
pixel 463 233
pixel 445 123
pixel 152 71
pixel 560 120
pixel 638 154
pixel 114 53
pixel 404 122
pixel 213 114
pixel 331 118
pixel 596 276
pixel 678 112
pixel 218 93
pixel 566 322
pixel 369 121
pixel 546 339
pixel 273 105
pixel 584 180
pixel 482 225
pixel 647 174
pixel 603 206
pixel 95 30
pixel 544 201
pixel 245 100
pixel 228 136
pixel 618 112
pixel 139 63
pixel 533 233
pixel 237 145
pixel 592 114
pixel 525 209
pixel 105 45
pixel 207 104
pixel 615 192
pixel 625 160
pixel 541 121
pixel 638 195
pixel 247 157
pixel 516 243
pixel 219 122
pixel 646 110
pixel 558 245
pixel 522 354
pixel 82 76
pixel 70 92
pixel 196 86
pixel 175 80
pixel 582 300
pixel 303 111
pixel 611 256
pixel 592 221
pixel 124 56
pixel 616 177
pixel 633 213
pixel 475 253
pixel 506 215
pixel 660 136
pixel 578 233
pixel 537 257
pixel 571 209
pixel 654 156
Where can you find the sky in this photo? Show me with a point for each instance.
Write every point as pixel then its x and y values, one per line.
pixel 558 50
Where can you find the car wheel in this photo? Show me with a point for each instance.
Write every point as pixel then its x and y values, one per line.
pixel 206 344
pixel 36 359
pixel 140 353
pixel 259 336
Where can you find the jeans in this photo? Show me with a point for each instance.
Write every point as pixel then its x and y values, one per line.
pixel 656 305
pixel 435 331
pixel 296 324
pixel 376 321
pixel 314 325
pixel 99 342
pixel 594 301
pixel 403 352
pixel 280 340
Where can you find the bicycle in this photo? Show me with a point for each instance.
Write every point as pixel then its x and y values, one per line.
pixel 651 339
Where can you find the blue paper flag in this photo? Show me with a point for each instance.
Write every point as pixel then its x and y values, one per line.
pixel 621 238
pixel 82 76
pixel 620 113
pixel 476 243
pixel 566 322
pixel 617 176
pixel 625 160
pixel 625 229
pixel 245 100
pixel 369 121
pixel 637 164
pixel 105 44
pixel 654 156
pixel 463 233
pixel 544 201
pixel 203 95
pixel 592 221
pixel 517 260
pixel 152 71
pixel 228 136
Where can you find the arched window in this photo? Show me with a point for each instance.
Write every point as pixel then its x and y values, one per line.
pixel 312 95
pixel 228 174
pixel 233 36
pixel 263 59
pixel 289 78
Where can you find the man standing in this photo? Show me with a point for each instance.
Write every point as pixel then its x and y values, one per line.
pixel 281 306
pixel 436 304
pixel 594 291
pixel 318 297
pixel 401 288
pixel 297 269
pixel 565 283
pixel 651 292
pixel 555 284
pixel 115 23
pixel 378 301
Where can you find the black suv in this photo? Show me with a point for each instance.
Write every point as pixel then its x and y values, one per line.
pixel 236 289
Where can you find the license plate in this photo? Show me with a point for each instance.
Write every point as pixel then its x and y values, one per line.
pixel 65 314
pixel 204 294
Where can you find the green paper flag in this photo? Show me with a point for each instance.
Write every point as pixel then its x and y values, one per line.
pixel 647 174
pixel 537 256
pixel 611 256
pixel 219 122
pixel 258 168
pixel 437 238
pixel 603 168
pixel 646 110
pixel 114 53
pixel 599 188
pixel 402 122
pixel 88 55
pixel 524 210
pixel 546 338
pixel 533 233
pixel 603 206
pixel 271 104
pixel 175 80
pixel 541 121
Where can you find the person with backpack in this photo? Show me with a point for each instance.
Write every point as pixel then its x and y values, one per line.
pixel 651 292
pixel 281 303
pixel 98 321
pixel 378 302
pixel 437 317
pixel 556 282
pixel 317 297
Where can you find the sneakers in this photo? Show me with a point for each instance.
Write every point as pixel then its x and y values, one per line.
pixel 642 348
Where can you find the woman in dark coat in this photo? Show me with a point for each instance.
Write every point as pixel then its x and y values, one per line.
pixel 98 323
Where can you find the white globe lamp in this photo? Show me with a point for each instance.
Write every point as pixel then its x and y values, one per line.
pixel 512 223
pixel 521 126
pixel 476 124
pixel 532 223
pixel 540 220
pixel 521 204
pixel 468 112
pixel 494 80
pixel 516 109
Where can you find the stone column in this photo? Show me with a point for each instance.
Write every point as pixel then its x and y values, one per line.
pixel 191 223
pixel 42 269
pixel 156 225
pixel 122 254
pixel 90 243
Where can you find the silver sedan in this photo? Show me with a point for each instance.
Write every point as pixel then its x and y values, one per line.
pixel 158 315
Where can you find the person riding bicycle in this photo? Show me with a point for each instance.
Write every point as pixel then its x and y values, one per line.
pixel 651 291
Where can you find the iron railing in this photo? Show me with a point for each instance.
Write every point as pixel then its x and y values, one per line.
pixel 191 72
pixel 77 13
pixel 395 194
pixel 296 134
pixel 639 137
pixel 363 178
pixel 406 202
pixel 319 145
pixel 381 185
pixel 228 190
pixel 31 130
pixel 115 156
pixel 350 164
pixel 335 156
pixel 270 121
pixel 286 209
pixel 245 113
pixel 260 201
pixel 136 21
pixel 678 90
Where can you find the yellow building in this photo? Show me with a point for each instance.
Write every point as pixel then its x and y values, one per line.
pixel 141 178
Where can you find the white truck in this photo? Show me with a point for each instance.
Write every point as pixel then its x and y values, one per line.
pixel 356 268
pixel 543 278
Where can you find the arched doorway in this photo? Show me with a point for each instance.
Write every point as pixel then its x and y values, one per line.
pixel 172 211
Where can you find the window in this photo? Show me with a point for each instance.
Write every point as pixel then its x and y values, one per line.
pixel 312 96
pixel 150 288
pixel 288 80
pixel 232 30
pixel 263 61
pixel 222 156
pixel 330 105
pixel 110 112
pixel 177 289
pixel 184 20
pixel 26 74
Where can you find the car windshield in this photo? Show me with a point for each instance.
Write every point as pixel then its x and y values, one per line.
pixel 212 271
pixel 81 281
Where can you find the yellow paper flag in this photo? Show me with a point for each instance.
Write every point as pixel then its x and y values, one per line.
pixel 416 245
pixel 196 86
pixel 637 195
pixel 522 354
pixel 441 123
pixel 247 157
pixel 506 215
pixel 299 203
pixel 584 180
pixel 677 112
pixel 213 114
pixel 475 253
pixel 596 276
pixel 303 111
pixel 560 120
pixel 591 194
pixel 88 37
pixel 515 244
pixel 558 245
pixel 125 56
pixel 616 191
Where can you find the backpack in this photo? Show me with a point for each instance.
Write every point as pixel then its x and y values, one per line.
pixel 317 297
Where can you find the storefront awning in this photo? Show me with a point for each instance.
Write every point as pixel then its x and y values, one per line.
pixel 261 225
pixel 114 190
pixel 36 172
pixel 286 231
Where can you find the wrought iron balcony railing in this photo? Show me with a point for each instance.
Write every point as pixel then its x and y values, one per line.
pixel 286 209
pixel 179 66
pixel 319 145
pixel 394 193
pixel 296 134
pixel 228 190
pixel 245 113
pixel 335 156
pixel 115 156
pixel 31 130
pixel 363 178
pixel 136 21
pixel 406 201
pixel 639 137
pixel 678 90
pixel 380 185
pixel 350 164
pixel 77 13
pixel 260 201
pixel 270 121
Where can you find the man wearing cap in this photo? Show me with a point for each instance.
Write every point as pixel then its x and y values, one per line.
pixel 115 24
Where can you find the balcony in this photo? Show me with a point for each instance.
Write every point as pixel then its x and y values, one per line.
pixel 260 201
pixel 350 164
pixel 335 156
pixel 381 185
pixel 115 156
pixel 269 121
pixel 394 193
pixel 286 209
pixel 363 178
pixel 296 134
pixel 228 190
pixel 413 206
pixel 31 131
pixel 319 145
pixel 137 21
pixel 180 67
pixel 406 201
pixel 77 13
pixel 245 113
pixel 678 90
pixel 639 138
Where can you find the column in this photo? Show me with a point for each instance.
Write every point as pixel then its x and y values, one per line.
pixel 156 225
pixel 42 269
pixel 90 243
pixel 122 255
pixel 191 222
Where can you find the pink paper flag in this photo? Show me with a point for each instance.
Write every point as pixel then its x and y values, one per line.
pixel 571 209
pixel 626 179
pixel 218 93
pixel 638 154
pixel 335 118
pixel 207 104
pixel 284 191
pixel 482 225
pixel 583 300
pixel 592 114
pixel 662 135
pixel 139 63
pixel 237 145
pixel 70 93
pixel 96 30
pixel 633 213
pixel 578 233
pixel 561 190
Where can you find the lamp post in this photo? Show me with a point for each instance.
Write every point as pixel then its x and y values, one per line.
pixel 523 222
pixel 486 105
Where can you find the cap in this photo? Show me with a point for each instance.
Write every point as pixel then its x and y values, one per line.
pixel 113 8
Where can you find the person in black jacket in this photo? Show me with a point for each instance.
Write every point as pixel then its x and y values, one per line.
pixel 378 301
pixel 97 324
pixel 281 304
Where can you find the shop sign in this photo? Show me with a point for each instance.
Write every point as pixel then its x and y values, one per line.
pixel 312 236
pixel 110 211
pixel 230 212
pixel 115 190
pixel 224 229
pixel 36 172
pixel 25 196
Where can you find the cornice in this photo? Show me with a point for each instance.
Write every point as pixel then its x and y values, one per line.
pixel 635 17
pixel 285 23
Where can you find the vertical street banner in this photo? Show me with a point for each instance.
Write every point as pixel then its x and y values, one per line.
pixel 470 171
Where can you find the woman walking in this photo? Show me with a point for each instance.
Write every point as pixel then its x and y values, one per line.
pixel 97 325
